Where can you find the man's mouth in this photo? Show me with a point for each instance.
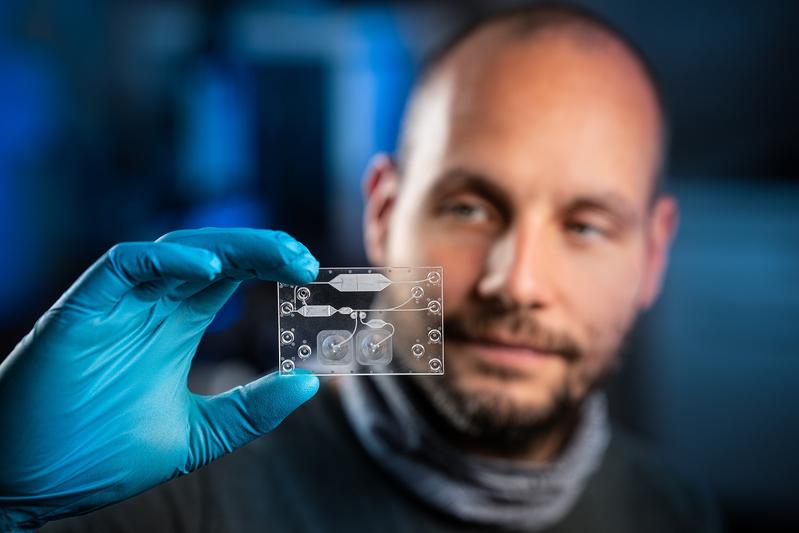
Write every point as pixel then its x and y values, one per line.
pixel 507 352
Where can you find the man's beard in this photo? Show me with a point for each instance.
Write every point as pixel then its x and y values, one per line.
pixel 492 420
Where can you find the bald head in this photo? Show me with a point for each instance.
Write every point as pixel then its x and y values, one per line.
pixel 521 57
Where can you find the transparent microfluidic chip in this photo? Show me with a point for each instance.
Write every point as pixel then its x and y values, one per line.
pixel 358 321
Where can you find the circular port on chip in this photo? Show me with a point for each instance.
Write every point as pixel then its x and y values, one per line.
pixel 417 292
pixel 434 306
pixel 434 335
pixel 303 293
pixel 287 366
pixel 304 351
pixel 334 348
pixel 286 308
pixel 433 277
pixel 435 365
pixel 287 337
pixel 417 350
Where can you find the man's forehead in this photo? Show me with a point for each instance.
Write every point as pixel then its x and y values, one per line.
pixel 485 45
pixel 480 53
pixel 552 59
pixel 495 102
pixel 495 68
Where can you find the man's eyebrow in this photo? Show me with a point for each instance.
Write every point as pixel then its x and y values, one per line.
pixel 609 202
pixel 462 179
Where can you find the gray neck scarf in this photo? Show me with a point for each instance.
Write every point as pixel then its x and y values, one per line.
pixel 493 492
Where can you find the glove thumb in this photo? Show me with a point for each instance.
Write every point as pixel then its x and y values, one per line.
pixel 230 420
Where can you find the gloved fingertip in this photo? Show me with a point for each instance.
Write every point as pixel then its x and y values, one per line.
pixel 304 381
pixel 306 269
pixel 291 244
pixel 298 387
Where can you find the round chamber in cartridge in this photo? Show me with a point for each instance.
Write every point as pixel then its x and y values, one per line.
pixel 334 347
pixel 374 347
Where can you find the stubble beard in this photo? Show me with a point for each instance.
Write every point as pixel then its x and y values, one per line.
pixel 489 419
pixel 492 420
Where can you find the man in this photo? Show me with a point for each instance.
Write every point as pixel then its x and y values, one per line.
pixel 528 169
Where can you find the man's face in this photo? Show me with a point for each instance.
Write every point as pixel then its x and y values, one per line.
pixel 529 179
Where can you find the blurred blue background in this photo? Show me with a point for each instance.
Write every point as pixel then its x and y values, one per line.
pixel 122 120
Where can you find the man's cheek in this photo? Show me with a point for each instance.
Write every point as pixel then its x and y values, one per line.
pixel 604 291
pixel 600 349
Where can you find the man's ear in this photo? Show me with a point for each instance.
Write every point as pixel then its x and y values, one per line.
pixel 661 231
pixel 380 187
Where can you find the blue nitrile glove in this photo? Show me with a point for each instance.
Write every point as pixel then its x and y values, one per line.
pixel 94 405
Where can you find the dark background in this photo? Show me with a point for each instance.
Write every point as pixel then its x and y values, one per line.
pixel 122 120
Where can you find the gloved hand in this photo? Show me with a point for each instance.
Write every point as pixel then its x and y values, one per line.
pixel 94 404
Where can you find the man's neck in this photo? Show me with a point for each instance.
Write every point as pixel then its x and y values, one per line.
pixel 533 493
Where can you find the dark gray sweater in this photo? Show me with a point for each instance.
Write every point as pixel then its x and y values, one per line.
pixel 312 475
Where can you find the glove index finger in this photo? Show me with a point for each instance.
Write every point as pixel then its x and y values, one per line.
pixel 128 264
pixel 253 253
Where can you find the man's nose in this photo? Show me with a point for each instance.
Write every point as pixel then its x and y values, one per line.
pixel 519 265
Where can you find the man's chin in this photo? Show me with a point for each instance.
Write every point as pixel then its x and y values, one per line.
pixel 494 409
pixel 523 389
pixel 511 400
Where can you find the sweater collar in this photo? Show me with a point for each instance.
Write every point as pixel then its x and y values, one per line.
pixel 495 492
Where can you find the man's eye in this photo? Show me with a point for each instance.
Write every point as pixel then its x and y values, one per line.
pixel 466 211
pixel 584 231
